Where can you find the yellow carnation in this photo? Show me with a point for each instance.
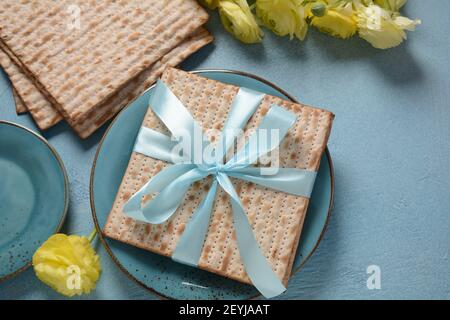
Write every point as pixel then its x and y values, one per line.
pixel 283 17
pixel 382 28
pixel 335 20
pixel 211 4
pixel 238 19
pixel 68 264
pixel 393 5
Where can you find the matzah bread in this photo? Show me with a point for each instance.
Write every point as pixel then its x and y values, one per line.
pixel 276 217
pixel 46 115
pixel 42 111
pixel 78 69
pixel 136 87
pixel 20 105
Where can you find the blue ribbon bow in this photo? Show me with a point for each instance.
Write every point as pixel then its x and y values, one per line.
pixel 170 185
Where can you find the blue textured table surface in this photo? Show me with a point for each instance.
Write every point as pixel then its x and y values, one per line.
pixel 390 145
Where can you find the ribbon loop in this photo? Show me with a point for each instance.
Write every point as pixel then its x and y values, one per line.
pixel 237 119
pixel 271 131
pixel 179 121
pixel 156 145
pixel 133 207
pixel 169 199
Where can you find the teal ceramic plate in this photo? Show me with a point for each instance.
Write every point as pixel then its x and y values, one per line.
pixel 33 196
pixel 159 274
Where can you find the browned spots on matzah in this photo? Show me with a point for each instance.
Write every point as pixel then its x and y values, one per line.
pixel 126 196
pixel 238 187
pixel 46 48
pixel 46 115
pixel 276 217
pixel 227 258
pixel 103 113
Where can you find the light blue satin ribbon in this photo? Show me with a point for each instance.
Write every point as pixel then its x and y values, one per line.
pixel 170 185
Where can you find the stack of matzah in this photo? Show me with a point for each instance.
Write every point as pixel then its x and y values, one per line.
pixel 83 61
pixel 276 217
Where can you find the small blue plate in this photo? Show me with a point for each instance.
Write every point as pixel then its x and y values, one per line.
pixel 33 196
pixel 161 275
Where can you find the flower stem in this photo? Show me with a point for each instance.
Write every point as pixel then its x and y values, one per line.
pixel 92 235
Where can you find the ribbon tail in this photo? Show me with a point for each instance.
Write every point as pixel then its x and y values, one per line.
pixel 255 263
pixel 166 203
pixel 190 244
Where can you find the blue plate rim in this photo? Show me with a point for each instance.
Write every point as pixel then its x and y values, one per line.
pixel 97 153
pixel 66 189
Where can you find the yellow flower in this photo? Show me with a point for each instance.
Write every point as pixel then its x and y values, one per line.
pixel 283 17
pixel 336 19
pixel 211 4
pixel 68 264
pixel 239 20
pixel 393 5
pixel 382 28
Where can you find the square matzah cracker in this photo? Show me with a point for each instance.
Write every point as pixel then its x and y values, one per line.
pixel 276 217
pixel 78 68
pixel 46 115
